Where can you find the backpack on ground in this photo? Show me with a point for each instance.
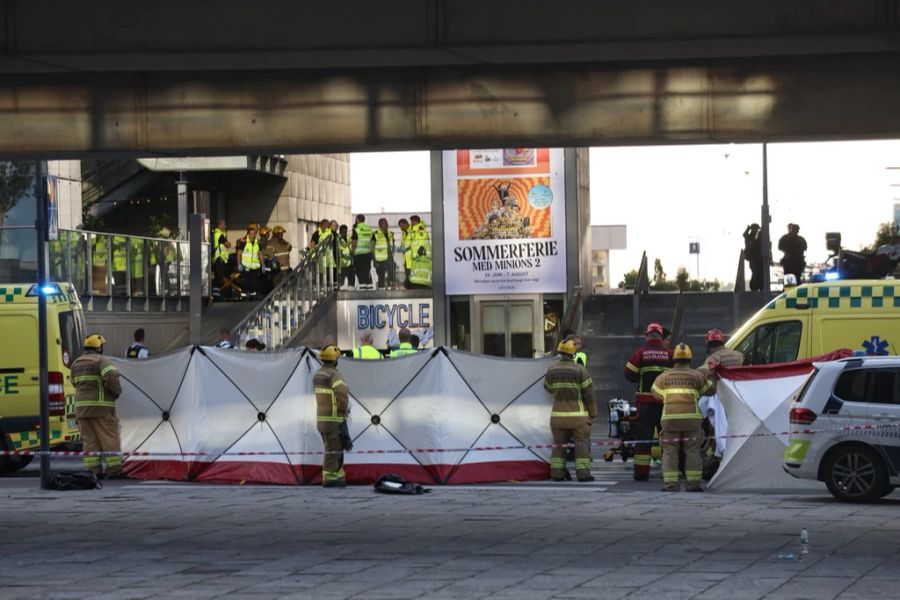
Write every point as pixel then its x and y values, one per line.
pixel 394 484
pixel 65 481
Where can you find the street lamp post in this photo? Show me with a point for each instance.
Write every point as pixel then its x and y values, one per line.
pixel 764 230
pixel 40 224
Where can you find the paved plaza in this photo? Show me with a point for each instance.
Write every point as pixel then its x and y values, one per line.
pixel 612 538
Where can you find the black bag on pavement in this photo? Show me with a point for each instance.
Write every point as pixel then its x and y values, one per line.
pixel 394 484
pixel 65 481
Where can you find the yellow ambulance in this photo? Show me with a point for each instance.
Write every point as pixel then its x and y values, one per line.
pixel 817 318
pixel 19 382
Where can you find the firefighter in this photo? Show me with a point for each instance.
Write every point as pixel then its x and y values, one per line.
pixel 366 350
pixel 97 386
pixel 644 366
pixel 679 389
pixel 332 410
pixel 278 250
pixel 574 409
pixel 138 350
pixel 711 407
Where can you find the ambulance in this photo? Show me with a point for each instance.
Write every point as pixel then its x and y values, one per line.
pixel 817 318
pixel 19 367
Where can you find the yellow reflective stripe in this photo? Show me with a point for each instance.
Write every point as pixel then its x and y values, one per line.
pixel 586 383
pixel 331 419
pixel 564 386
pixel 653 368
pixel 631 367
pixel 657 389
pixel 329 391
pixel 107 370
pixel 85 378
pixel 582 413
pixel 689 391
pixel 706 387
pixel 337 383
pixel 94 403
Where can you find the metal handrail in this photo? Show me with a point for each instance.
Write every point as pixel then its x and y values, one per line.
pixel 641 288
pixel 278 316
pixel 678 318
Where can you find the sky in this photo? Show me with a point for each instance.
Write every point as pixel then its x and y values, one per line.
pixel 669 196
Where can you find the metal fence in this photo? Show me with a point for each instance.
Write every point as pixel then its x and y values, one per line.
pixel 105 264
pixel 281 314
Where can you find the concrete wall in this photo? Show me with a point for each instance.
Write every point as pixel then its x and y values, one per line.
pixel 118 329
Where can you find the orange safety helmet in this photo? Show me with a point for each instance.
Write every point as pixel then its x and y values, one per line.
pixel 654 328
pixel 715 335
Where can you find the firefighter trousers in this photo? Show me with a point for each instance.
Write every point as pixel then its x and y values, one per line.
pixel 101 434
pixel 681 434
pixel 333 463
pixel 580 435
pixel 647 422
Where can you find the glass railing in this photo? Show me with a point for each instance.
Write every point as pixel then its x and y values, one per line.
pixel 281 314
pixel 104 264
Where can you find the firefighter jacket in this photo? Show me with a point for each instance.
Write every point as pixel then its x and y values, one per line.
pixel 573 394
pixel 679 389
pixel 280 250
pixel 97 386
pixel 647 363
pixel 332 399
pixel 721 356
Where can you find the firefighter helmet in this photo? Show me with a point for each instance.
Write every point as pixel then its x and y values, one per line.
pixel 264 230
pixel 654 328
pixel 278 229
pixel 95 341
pixel 682 353
pixel 330 353
pixel 252 226
pixel 567 347
pixel 715 335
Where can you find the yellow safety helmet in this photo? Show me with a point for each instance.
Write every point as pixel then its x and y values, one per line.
pixel 264 230
pixel 252 226
pixel 567 347
pixel 94 341
pixel 278 229
pixel 330 353
pixel 682 352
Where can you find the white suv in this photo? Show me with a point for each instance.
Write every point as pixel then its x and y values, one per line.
pixel 851 408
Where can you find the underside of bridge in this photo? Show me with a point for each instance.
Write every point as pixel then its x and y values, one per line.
pixel 167 77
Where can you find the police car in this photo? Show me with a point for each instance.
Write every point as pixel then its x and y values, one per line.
pixel 851 411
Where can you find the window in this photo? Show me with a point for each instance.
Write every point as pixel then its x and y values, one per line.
pixel 877 385
pixel 772 343
pixel 71 336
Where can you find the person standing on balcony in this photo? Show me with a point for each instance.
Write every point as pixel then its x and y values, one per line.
pixel 361 243
pixel 348 276
pixel 221 247
pixel 384 255
pixel 250 261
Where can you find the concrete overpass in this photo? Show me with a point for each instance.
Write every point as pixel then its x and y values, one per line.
pixel 159 77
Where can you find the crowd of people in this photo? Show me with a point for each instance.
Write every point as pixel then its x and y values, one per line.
pixel 254 264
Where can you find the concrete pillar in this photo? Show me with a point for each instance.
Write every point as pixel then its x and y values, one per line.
pixel 182 187
pixel 440 305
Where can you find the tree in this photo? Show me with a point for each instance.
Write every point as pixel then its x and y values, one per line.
pixel 629 280
pixel 886 234
pixel 682 279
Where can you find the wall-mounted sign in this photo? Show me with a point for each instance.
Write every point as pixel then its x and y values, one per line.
pixel 505 221
pixel 380 318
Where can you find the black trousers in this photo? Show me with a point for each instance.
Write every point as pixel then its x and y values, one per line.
pixel 362 263
pixel 250 281
pixel 648 419
pixel 385 273
pixel 348 275
pixel 756 276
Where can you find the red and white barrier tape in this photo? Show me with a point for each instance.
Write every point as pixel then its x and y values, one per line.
pixel 609 444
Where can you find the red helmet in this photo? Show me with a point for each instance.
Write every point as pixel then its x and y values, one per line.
pixel 654 328
pixel 715 335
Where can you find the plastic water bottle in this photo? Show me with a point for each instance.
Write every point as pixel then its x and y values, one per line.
pixel 804 541
pixel 613 424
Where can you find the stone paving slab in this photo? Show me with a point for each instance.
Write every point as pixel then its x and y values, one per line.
pixel 156 540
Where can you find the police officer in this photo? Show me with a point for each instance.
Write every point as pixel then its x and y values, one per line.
pixel 324 236
pixel 347 275
pixel 137 349
pixel 332 410
pixel 406 249
pixel 793 245
pixel 679 389
pixel 421 271
pixel 574 409
pixel 643 367
pixel 224 339
pixel 221 246
pixel 250 260
pixel 366 350
pixel 384 255
pixel 97 386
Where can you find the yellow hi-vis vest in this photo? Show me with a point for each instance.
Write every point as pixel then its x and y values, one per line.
pixel 363 239
pixel 367 353
pixel 346 257
pixel 420 274
pixel 383 244
pixel 219 239
pixel 326 254
pixel 250 255
pixel 419 239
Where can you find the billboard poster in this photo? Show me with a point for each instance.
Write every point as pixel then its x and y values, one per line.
pixel 52 208
pixel 383 318
pixel 504 221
